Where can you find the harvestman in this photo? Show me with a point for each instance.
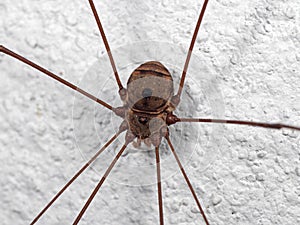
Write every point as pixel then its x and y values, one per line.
pixel 148 105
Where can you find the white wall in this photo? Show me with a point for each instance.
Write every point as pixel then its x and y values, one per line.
pixel 242 175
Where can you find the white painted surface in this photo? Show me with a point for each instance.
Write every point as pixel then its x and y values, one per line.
pixel 252 48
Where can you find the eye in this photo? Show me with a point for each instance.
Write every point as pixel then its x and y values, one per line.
pixel 143 120
pixel 147 92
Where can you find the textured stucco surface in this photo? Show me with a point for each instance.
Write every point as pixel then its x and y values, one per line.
pixel 242 176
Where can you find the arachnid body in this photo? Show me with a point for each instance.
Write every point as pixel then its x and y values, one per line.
pixel 253 54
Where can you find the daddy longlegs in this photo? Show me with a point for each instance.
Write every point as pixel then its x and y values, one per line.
pixel 133 113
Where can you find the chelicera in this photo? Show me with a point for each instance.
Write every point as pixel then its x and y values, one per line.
pixel 148 109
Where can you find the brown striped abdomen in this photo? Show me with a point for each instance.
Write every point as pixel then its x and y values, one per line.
pixel 149 87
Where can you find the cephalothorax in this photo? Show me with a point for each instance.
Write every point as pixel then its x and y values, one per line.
pixel 147 111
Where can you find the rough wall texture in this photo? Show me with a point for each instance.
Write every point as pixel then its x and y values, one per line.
pixel 251 47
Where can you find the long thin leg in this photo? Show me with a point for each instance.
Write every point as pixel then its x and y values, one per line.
pixel 74 178
pixel 187 180
pixel 112 62
pixel 188 58
pixel 52 75
pixel 240 122
pixel 159 189
pixel 99 185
